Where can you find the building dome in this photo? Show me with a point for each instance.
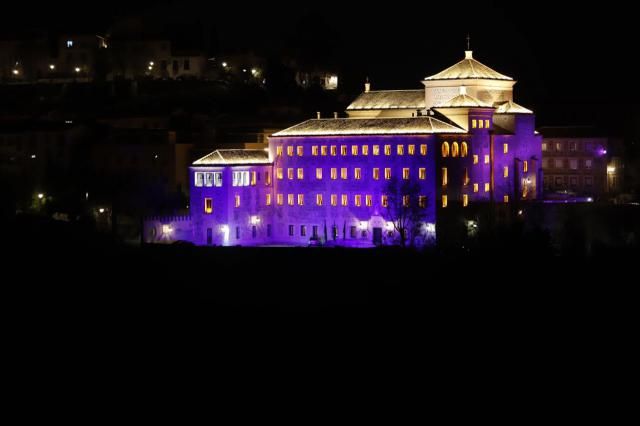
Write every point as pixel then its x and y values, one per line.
pixel 469 68
pixel 463 101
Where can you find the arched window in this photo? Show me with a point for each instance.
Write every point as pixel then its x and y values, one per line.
pixel 464 149
pixel 445 149
pixel 455 151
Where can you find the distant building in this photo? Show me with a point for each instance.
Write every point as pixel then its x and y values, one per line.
pixel 580 161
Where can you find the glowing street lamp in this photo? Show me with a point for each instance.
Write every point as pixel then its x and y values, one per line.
pixel 77 69
pixel 15 72
pixel 40 196
pixel 101 210
pixel 52 67
pixel 224 64
pixel 151 63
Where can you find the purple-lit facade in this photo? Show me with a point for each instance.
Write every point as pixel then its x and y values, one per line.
pixel 329 180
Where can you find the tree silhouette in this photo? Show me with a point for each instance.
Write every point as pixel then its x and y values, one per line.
pixel 404 209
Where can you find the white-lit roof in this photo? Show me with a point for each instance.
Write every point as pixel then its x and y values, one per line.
pixel 469 68
pixel 389 99
pixel 226 157
pixel 510 107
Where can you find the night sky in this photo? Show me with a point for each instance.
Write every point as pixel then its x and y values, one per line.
pixel 569 59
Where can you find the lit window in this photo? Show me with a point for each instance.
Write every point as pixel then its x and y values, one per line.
pixel 300 173
pixel 268 200
pixel 385 201
pixel 300 150
pixel 559 146
pixel 241 179
pixel 354 149
pixel 376 173
pixel 466 177
pixel 267 178
pixel 237 203
pixel 368 200
pixel 475 159
pixel 343 150
pixel 400 149
pixel 376 150
pixel 544 146
pixel 486 159
pixel 474 124
pixel 445 149
pixel 253 178
pixel 357 173
pixel 334 150
pixel 405 201
pixel 525 166
pixel 290 151
pixel 358 200
pixel 279 151
pixel 475 187
pixel 411 149
pixel 291 230
pixel 324 150
pixel 445 177
pixel 387 150
pixel 319 173
pixel 365 150
pixel 422 174
pixel 455 150
pixel 422 201
pixel 319 199
pixel 334 200
pixel 505 172
pixel 487 187
pixel 343 173
pixel 387 173
pixel 303 230
pixel 505 148
pixel 69 43
pixel 301 199
pixel 334 173
pixel 290 173
pixel 464 149
pixel 465 200
pixel 314 150
pixel 199 178
pixel 444 201
pixel 506 198
pixel 405 173
pixel 345 200
pixel 279 174
pixel 423 149
pixel 481 124
pixel 280 199
pixel 208 205
pixel 486 124
pixel 290 199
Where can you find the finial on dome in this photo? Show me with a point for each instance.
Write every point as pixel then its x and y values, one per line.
pixel 367 86
pixel 468 54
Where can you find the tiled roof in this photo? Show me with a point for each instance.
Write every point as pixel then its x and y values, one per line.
pixel 468 68
pixel 463 101
pixel 225 157
pixel 510 107
pixel 389 99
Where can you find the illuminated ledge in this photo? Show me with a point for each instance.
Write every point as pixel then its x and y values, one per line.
pixel 511 107
pixel 463 101
pixel 229 157
pixel 468 68
pixel 389 99
pixel 370 126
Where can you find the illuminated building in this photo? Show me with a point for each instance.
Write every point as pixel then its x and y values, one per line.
pixel 353 181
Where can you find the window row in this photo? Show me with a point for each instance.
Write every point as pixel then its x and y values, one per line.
pixel 355 150
pixel 445 176
pixel 465 200
pixel 454 150
pixel 480 124
pixel 344 173
pixel 563 163
pixel 569 146
pixel 239 178
pixel 343 200
pixel 208 179
pixel 353 231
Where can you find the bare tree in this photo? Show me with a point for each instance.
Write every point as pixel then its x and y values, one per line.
pixel 406 209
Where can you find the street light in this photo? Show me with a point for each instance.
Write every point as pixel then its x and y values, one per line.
pixel 40 196
pixel 52 67
pixel 77 69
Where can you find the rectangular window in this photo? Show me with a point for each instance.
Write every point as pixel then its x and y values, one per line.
pixel 559 163
pixel 301 199
pixel 358 200
pixel 376 150
pixel 268 200
pixel 254 231
pixel 465 200
pixel 303 230
pixel 280 199
pixel 365 150
pixel 208 179
pixel 199 179
pixel 387 173
pixel 290 173
pixel 254 178
pixel 486 124
pixel 559 146
pixel 237 232
pixel 506 198
pixel 343 173
pixel 290 199
pixel 444 201
pixel 588 181
pixel 279 174
pixel 588 164
pixel 334 150
pixel 345 200
pixel 357 173
pixel 279 151
pixel 319 199
pixel 525 166
pixel 445 177
pixel 343 150
pixel 314 231
pixel 290 151
pixel 400 149
pixel 474 124
pixel 354 149
pixel 422 173
pixel 314 150
pixel 368 199
pixel 268 230
pixel 423 149
pixel 405 173
pixel 291 231
pixel 267 178
pixel 573 164
pixel 237 200
pixel 573 146
pixel 465 177
pixel 319 173
pixel 217 179
pixel 505 148
pixel 411 149
pixel 481 124
pixel 387 150
pixel 334 200
pixel 208 205
pixel 487 187
pixel 405 201
pixel 476 187
pixel 354 232
pixel 300 150
pixel 376 173
pixel 334 173
pixel 486 159
pixel 300 173
pixel 384 200
pixel 241 179
pixel 324 150
pixel 544 147
pixel 475 159
pixel 422 201
pixel 505 172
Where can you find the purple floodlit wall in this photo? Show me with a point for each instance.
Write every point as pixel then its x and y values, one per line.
pixel 167 229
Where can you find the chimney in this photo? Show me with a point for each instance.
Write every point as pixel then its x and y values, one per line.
pixel 367 86
pixel 335 115
pixel 318 115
